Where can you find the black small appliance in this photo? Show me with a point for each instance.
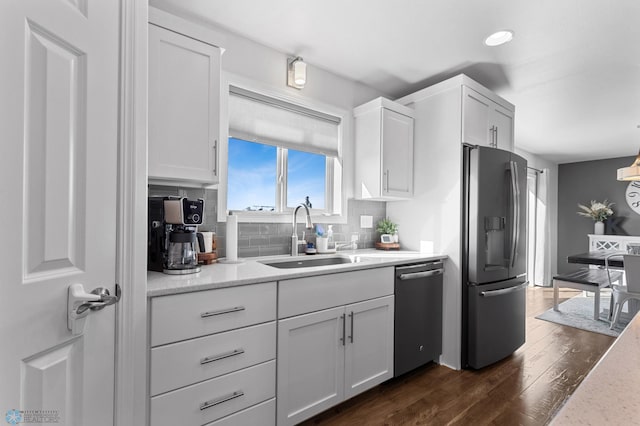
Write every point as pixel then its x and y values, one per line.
pixel 172 227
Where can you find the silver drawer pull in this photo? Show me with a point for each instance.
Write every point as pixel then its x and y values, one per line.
pixel 209 404
pixel 213 358
pixel 222 312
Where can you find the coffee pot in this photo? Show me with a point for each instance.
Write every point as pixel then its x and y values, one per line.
pixel 181 252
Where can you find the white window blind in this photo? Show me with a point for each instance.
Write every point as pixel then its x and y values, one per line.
pixel 260 118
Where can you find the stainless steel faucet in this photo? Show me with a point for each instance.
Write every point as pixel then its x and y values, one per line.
pixel 294 235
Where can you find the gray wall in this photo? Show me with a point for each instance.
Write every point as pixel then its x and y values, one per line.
pixel 268 239
pixel 579 183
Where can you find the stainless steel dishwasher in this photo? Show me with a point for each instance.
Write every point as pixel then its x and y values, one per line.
pixel 418 315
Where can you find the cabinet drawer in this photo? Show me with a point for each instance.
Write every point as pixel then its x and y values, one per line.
pixel 184 316
pixel 191 361
pixel 303 295
pixel 263 414
pixel 215 398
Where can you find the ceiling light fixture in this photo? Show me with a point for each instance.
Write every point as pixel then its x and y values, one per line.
pixel 499 37
pixel 296 72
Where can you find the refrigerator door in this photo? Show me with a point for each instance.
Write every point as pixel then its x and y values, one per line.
pixel 490 214
pixel 518 213
pixel 496 321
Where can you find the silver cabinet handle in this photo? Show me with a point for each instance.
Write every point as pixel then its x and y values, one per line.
pixel 495 137
pixel 502 291
pixel 218 357
pixel 215 157
pixel 222 312
pixel 344 329
pixel 415 275
pixel 213 402
pixel 351 316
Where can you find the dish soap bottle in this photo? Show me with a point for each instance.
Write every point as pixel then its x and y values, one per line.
pixel 331 245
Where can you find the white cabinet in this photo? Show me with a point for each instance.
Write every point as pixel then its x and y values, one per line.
pixel 384 150
pixel 212 355
pixel 184 108
pixel 485 122
pixel 330 355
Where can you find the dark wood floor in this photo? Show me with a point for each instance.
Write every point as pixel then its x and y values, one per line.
pixel 527 388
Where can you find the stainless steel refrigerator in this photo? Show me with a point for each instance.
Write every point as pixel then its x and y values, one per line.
pixel 494 255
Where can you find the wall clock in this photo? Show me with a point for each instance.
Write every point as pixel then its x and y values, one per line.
pixel 633 196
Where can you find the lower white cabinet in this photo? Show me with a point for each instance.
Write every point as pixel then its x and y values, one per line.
pixel 328 356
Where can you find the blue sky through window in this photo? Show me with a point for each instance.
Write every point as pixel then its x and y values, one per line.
pixel 305 177
pixel 251 176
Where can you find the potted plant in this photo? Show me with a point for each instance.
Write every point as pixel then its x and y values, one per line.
pixel 387 229
pixel 599 212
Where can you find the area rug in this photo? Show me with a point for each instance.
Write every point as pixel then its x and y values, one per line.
pixel 577 312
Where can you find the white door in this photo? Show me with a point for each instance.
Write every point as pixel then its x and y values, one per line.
pixel 503 119
pixel 310 364
pixel 369 349
pixel 476 111
pixel 58 168
pixel 397 154
pixel 184 93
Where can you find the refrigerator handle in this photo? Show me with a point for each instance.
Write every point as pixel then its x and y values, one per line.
pixel 515 222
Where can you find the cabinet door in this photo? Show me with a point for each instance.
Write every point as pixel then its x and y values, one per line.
pixel 184 96
pixel 397 154
pixel 369 348
pixel 502 119
pixel 485 122
pixel 310 364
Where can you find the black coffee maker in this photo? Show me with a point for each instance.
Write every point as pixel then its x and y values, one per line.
pixel 172 228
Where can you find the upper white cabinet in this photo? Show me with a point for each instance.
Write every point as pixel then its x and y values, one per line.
pixel 184 107
pixel 485 122
pixel 384 150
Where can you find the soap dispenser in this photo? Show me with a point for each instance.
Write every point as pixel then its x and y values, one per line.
pixel 331 244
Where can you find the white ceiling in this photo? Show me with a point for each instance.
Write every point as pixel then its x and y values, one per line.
pixel 572 70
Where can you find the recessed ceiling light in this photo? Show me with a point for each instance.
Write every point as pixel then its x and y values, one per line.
pixel 499 37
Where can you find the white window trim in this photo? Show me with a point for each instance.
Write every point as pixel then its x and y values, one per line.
pixel 334 177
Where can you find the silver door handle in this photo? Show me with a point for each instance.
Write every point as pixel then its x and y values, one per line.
pixel 80 303
pixel 503 291
pixel 351 337
pixel 344 329
pixel 214 402
pixel 215 157
pixel 515 206
pixel 218 357
pixel 386 175
pixel 495 136
pixel 222 312
pixel 415 275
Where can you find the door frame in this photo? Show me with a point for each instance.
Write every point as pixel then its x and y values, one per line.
pixel 131 314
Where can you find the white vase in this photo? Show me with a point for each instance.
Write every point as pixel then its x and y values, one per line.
pixel 598 228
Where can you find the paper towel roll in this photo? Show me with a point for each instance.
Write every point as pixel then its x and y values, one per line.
pixel 232 238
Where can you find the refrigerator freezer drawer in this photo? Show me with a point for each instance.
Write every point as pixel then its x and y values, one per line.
pixel 496 321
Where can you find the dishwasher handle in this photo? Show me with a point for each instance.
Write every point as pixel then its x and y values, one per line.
pixel 423 274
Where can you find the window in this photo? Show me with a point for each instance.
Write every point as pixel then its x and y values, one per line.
pixel 281 154
pixel 252 177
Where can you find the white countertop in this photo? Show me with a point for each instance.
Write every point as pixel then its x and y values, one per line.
pixel 610 394
pixel 251 271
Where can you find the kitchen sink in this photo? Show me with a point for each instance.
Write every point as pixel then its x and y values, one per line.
pixel 310 262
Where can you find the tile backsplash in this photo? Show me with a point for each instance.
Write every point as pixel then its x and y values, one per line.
pixel 268 239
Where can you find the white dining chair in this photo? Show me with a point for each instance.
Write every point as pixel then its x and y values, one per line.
pixel 620 293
